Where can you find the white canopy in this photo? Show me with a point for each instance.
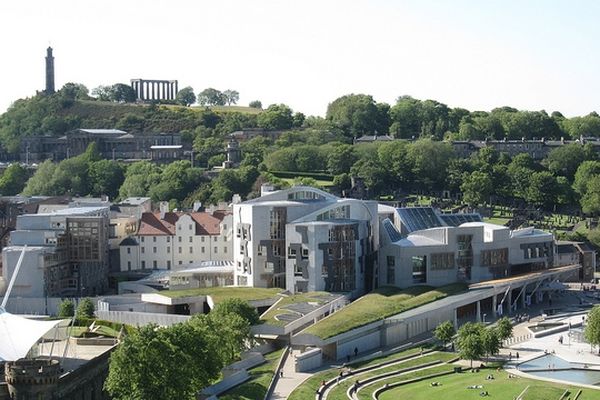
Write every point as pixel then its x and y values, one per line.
pixel 18 335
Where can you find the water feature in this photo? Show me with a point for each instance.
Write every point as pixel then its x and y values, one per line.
pixel 552 366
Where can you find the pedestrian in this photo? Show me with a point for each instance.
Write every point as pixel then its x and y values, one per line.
pixel 348 358
pixel 355 351
pixel 517 355
pixel 510 356
pixel 281 373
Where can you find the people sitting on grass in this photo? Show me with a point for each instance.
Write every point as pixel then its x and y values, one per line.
pixel 436 384
pixel 489 377
pixel 484 394
pixel 475 387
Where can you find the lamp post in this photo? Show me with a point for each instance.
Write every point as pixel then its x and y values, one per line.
pixel 484 315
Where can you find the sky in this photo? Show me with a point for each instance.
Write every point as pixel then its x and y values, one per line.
pixel 531 55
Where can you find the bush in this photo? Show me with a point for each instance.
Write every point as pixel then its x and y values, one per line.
pixel 86 308
pixel 66 309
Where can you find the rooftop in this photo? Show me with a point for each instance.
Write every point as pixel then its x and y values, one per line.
pixel 219 294
pixel 75 211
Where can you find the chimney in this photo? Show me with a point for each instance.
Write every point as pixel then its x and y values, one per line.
pixel 197 206
pixel 236 199
pixel 164 208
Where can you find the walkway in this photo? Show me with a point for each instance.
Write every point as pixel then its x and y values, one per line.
pixel 291 379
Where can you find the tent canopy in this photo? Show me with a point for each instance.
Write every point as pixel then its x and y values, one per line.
pixel 18 335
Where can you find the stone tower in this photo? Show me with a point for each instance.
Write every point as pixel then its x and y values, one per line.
pixel 31 378
pixel 49 71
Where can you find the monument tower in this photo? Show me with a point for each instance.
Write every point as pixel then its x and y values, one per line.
pixel 49 71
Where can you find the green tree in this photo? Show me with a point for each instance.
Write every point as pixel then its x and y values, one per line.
pixel 255 104
pixel 543 189
pixel 102 93
pixel 590 201
pixel 13 180
pixel 341 158
pixel 74 91
pixel 476 188
pixel 121 92
pixel 231 96
pixel 429 161
pixel 41 182
pixel 211 97
pixel 565 160
pixel 139 178
pixel 444 332
pixel 86 308
pixel 106 177
pixel 490 341
pixel 585 172
pixel 356 115
pixel 240 307
pixel 186 96
pixel 372 172
pixel 276 117
pixel 591 331
pixel 504 328
pixel 66 308
pixel 470 341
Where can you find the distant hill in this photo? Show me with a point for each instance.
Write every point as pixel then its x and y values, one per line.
pixel 55 115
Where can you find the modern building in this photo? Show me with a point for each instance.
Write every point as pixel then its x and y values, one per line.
pixel 304 239
pixel 173 240
pixel 423 247
pixel 113 144
pixel 66 253
pixel 568 252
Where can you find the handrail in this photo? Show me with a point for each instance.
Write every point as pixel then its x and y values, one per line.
pixel 277 372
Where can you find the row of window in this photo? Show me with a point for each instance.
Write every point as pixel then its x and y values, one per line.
pixel 180 239
pixel 180 250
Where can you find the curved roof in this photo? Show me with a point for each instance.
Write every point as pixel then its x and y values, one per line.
pixel 20 334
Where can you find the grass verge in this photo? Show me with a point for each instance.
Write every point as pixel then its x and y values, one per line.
pixel 257 386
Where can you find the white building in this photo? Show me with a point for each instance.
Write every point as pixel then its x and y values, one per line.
pixel 305 239
pixel 428 248
pixel 66 254
pixel 173 240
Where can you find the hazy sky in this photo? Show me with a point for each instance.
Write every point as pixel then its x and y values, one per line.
pixel 475 54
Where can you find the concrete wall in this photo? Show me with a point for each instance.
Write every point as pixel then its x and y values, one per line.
pixel 309 360
pixel 141 318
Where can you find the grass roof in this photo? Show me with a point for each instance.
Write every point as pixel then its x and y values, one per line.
pixel 219 294
pixel 280 308
pixel 381 303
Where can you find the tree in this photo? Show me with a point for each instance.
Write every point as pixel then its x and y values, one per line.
pixel 490 341
pixel 66 308
pixel 565 160
pixel 102 93
pixel 211 97
pixel 470 342
pixel 276 117
pixel 429 161
pixel 186 96
pixel 240 307
pixel 255 104
pixel 543 189
pixel 584 173
pixel 86 308
pixel 590 201
pixel 41 182
pixel 504 328
pixel 231 96
pixel 444 332
pixel 341 158
pixel 74 91
pixel 121 92
pixel 356 115
pixel 106 177
pixel 476 188
pixel 13 180
pixel 591 331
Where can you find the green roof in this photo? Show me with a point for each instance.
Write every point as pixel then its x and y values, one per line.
pixel 219 294
pixel 280 308
pixel 379 304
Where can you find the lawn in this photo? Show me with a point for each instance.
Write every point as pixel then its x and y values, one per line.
pixel 269 317
pixel 339 391
pixel 381 303
pixel 308 388
pixel 454 386
pixel 257 386
pixel 219 294
pixel 319 182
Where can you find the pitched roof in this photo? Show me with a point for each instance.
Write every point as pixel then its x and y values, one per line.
pixel 152 224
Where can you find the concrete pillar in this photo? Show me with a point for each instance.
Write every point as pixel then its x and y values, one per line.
pixel 509 298
pixel 176 87
pixel 153 90
pixel 524 296
pixel 494 305
pixel 478 311
pixel 171 91
pixel 455 319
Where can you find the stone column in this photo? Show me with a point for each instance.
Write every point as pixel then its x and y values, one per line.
pixel 494 305
pixel 143 90
pixel 455 319
pixel 509 299
pixel 153 91
pixel 523 296
pixel 176 87
pixel 478 311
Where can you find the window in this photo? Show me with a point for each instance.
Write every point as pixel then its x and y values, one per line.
pixel 154 239
pixel 202 239
pixel 216 238
pixel 225 249
pixel 202 249
pixel 179 249
pixel 259 251
pixel 419 269
pixel 494 258
pixel 154 264
pixel 191 239
pixel 168 264
pixel 129 250
pixel 143 250
pixel 216 250
pixel 191 249
pixel 168 239
pixel 304 253
pixel 324 272
pixel 441 261
pixel 179 239
pixel 391 270
pixel 190 227
pixel 291 252
pixel 154 250
pixel 128 265
pixel 180 262
pixel 143 264
pixel 297 270
pixel 168 249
